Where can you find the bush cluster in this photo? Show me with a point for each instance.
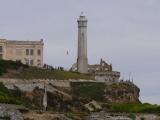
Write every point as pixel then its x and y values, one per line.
pixel 88 90
pixel 8 64
pixel 133 108
pixel 7 97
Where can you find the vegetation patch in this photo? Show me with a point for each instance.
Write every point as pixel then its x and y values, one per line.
pixel 132 108
pixel 39 73
pixel 88 90
pixel 118 86
pixel 8 64
pixel 27 72
pixel 7 97
pixel 76 116
pixel 5 118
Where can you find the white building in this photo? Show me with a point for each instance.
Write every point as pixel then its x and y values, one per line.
pixel 28 52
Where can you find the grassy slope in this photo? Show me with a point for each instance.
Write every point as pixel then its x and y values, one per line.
pixel 7 97
pixel 88 90
pixel 26 72
pixel 132 108
pixel 95 91
pixel 37 73
pixel 84 90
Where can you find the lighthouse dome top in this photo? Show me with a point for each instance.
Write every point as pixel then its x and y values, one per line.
pixel 82 17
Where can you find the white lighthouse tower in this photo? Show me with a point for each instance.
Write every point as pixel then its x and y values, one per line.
pixel 82 60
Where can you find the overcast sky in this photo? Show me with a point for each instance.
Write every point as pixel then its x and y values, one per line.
pixel 125 33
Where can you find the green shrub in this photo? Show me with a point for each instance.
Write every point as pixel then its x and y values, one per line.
pixel 133 108
pixel 38 73
pixel 142 118
pixel 8 64
pixel 132 116
pixel 7 97
pixel 5 118
pixel 88 90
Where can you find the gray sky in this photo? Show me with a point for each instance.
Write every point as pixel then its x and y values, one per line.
pixel 125 33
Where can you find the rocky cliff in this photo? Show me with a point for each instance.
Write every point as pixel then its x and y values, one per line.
pixel 116 92
pixel 75 97
pixel 122 92
pixel 72 96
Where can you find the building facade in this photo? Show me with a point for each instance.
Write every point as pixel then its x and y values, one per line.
pixel 28 52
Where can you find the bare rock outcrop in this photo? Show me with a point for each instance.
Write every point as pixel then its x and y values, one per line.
pixel 122 92
pixel 10 112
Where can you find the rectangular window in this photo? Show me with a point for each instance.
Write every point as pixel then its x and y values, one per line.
pixel 27 61
pixel 31 62
pixel 39 52
pixel 27 51
pixel 31 51
pixel 1 49
pixel 1 56
pixel 38 62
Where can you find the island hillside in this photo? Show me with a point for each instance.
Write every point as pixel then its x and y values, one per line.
pixel 68 92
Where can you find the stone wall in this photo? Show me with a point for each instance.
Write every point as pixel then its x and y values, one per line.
pixel 29 85
pixel 108 76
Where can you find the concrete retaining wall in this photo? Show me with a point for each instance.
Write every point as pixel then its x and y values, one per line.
pixel 29 85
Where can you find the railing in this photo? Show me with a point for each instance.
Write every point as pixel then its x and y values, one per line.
pixel 107 73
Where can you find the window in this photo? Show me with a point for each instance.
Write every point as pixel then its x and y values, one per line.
pixel 39 52
pixel 38 62
pixel 82 35
pixel 31 62
pixel 31 51
pixel 27 61
pixel 1 49
pixel 1 56
pixel 27 51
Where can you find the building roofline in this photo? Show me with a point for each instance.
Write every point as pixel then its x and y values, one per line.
pixel 23 42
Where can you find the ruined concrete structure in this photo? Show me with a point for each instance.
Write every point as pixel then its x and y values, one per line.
pixel 28 52
pixel 103 71
pixel 82 60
